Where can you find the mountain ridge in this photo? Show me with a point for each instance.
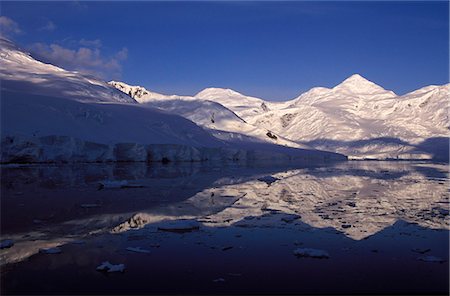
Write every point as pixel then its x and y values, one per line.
pixel 353 112
pixel 50 114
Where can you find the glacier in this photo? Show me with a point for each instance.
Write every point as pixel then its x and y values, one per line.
pixel 49 114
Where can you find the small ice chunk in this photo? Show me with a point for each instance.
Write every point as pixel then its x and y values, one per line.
pixel 268 179
pixel 311 253
pixel 137 250
pixel 179 226
pixel 54 250
pixel 431 259
pixel 219 280
pixel 108 267
pixel 6 243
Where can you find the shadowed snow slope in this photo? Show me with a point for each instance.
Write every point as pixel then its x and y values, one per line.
pixel 50 114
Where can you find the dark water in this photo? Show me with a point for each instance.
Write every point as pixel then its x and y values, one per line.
pixel 381 223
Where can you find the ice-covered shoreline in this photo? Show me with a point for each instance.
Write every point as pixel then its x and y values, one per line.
pixel 66 149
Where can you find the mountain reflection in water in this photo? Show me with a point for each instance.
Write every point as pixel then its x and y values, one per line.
pixel 47 206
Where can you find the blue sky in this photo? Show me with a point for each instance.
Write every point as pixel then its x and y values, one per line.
pixel 274 50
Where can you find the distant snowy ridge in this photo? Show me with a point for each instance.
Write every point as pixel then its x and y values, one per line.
pixel 220 121
pixel 242 105
pixel 53 115
pixel 357 118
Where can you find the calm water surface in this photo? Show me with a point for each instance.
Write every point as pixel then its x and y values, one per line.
pixel 384 225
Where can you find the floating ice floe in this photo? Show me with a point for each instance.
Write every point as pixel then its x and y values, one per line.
pixel 268 179
pixel 219 280
pixel 179 226
pixel 6 243
pixel 137 250
pixel 54 250
pixel 135 222
pixel 108 267
pixel 431 259
pixel 311 253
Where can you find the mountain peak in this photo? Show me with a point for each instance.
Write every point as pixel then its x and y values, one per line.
pixel 216 91
pixel 356 78
pixel 359 85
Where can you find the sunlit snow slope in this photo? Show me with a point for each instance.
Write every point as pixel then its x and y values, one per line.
pixel 357 118
pixel 223 123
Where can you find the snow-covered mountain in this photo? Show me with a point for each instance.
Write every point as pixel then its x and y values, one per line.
pixel 50 114
pixel 223 123
pixel 242 105
pixel 22 73
pixel 360 119
pixel 357 118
